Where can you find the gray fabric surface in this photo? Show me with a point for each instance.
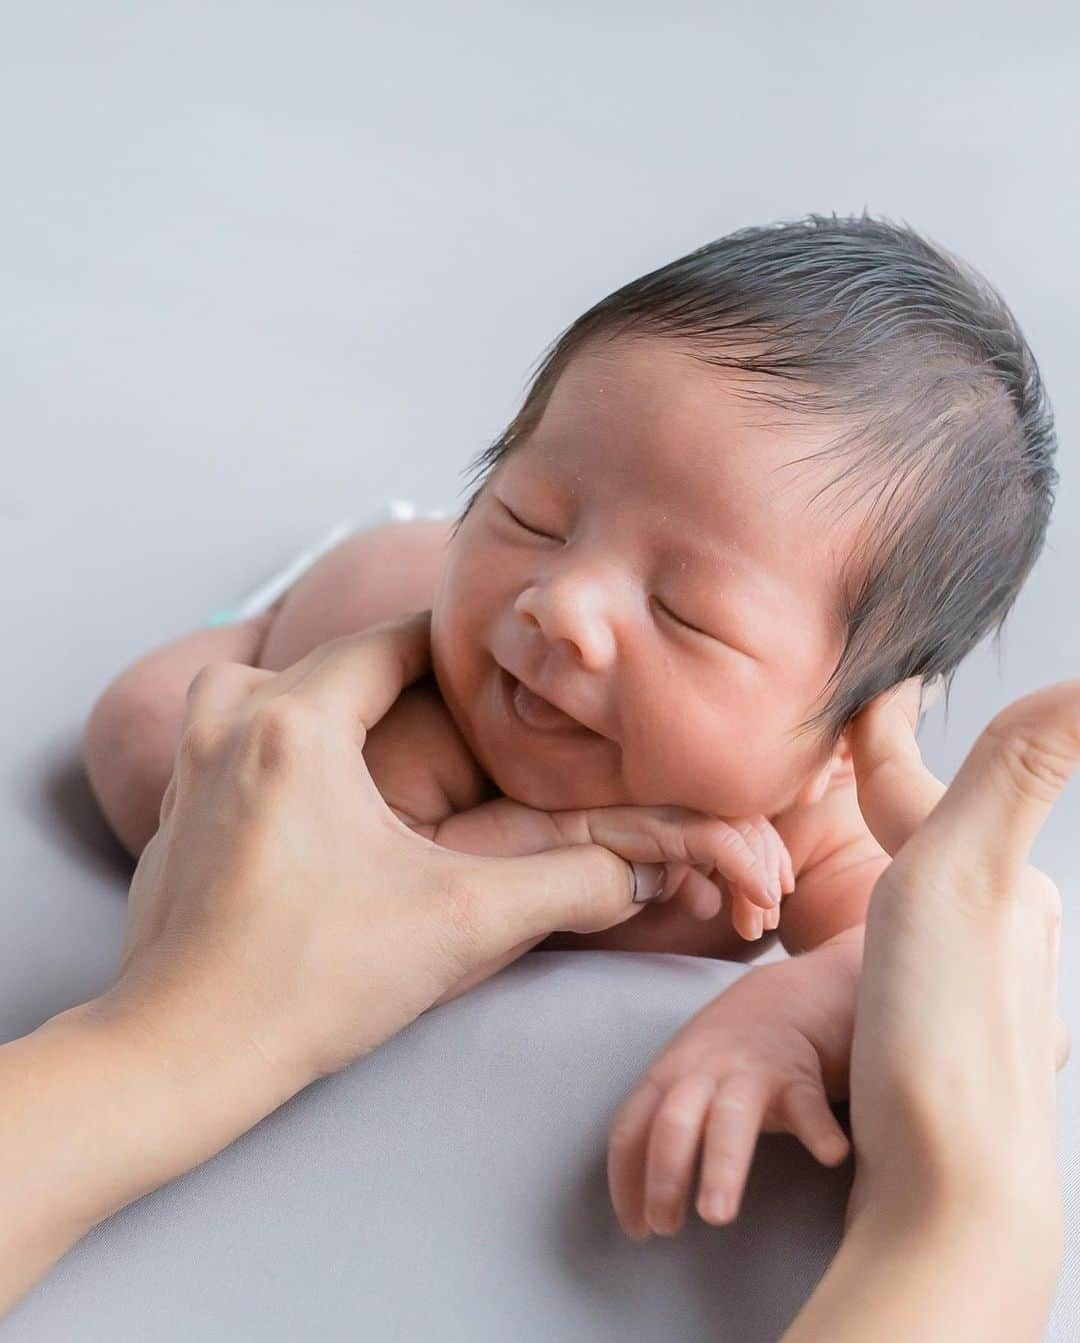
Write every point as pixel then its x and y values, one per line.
pixel 268 265
pixel 453 1186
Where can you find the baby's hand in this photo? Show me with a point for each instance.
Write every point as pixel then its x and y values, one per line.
pixel 706 857
pixel 726 1076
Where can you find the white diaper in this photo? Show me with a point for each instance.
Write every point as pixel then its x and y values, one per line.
pixel 264 596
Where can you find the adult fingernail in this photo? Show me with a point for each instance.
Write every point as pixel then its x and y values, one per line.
pixel 715 1208
pixel 647 880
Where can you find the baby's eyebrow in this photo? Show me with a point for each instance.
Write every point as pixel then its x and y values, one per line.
pixel 758 598
pixel 715 558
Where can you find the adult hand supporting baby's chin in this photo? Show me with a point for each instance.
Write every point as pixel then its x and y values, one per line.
pixel 282 906
pixel 956 1038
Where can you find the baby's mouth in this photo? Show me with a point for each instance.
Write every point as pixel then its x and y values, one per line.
pixel 537 713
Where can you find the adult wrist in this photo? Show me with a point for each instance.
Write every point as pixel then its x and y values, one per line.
pixel 1004 1246
pixel 192 1084
pixel 935 1275
pixel 100 1107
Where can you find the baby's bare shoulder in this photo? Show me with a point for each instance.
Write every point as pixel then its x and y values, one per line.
pixel 419 759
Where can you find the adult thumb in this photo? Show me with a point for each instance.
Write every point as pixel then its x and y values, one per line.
pixel 581 889
pixel 896 791
pixel 1013 775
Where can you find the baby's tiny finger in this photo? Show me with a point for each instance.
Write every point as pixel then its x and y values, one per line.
pixel 673 1147
pixel 627 1148
pixel 731 850
pixel 754 838
pixel 770 919
pixel 806 1108
pixel 785 870
pixel 750 830
pixel 772 846
pixel 788 868
pixel 746 918
pixel 731 1130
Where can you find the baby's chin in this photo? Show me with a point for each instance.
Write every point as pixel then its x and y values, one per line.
pixel 534 783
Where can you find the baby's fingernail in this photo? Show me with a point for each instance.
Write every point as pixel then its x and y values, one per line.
pixel 647 880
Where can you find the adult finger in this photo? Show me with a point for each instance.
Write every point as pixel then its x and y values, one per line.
pixel 677 835
pixel 700 896
pixel 216 694
pixel 1013 775
pixel 1062 1044
pixel 219 689
pixel 674 876
pixel 358 678
pixel 896 791
pixel 500 902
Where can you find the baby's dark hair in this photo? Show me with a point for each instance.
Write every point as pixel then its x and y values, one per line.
pixel 867 323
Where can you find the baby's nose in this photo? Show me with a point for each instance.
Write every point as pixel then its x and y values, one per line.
pixel 576 611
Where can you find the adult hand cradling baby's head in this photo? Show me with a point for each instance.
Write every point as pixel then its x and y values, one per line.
pixel 316 925
pixel 956 1021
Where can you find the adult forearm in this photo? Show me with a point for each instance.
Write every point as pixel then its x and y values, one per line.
pixel 951 1271
pixel 956 1275
pixel 95 1111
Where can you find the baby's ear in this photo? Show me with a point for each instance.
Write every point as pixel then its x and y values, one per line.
pixel 815 788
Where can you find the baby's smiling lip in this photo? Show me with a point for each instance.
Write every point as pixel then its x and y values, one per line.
pixel 574 727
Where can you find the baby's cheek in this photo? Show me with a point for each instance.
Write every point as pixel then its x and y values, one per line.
pixel 730 777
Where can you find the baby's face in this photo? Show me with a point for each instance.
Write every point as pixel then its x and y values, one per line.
pixel 644 562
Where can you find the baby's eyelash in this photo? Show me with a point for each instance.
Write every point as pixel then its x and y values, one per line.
pixel 525 526
pixel 685 623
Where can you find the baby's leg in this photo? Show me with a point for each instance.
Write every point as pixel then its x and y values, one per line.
pixel 130 738
pixel 375 575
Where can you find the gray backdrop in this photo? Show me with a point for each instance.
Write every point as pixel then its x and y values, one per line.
pixel 267 264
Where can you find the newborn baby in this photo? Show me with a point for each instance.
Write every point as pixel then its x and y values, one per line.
pixel 745 494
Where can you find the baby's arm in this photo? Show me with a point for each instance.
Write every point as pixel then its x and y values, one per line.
pixel 839 862
pixel 667 835
pixel 768 1054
